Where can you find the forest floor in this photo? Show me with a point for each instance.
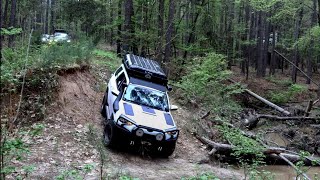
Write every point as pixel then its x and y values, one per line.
pixel 71 140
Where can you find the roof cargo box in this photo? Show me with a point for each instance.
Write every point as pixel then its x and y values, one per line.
pixel 144 68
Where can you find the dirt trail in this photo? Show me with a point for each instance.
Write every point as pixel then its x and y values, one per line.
pixel 65 143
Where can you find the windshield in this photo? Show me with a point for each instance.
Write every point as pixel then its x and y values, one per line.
pixel 148 97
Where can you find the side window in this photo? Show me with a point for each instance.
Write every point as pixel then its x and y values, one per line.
pixel 118 71
pixel 120 80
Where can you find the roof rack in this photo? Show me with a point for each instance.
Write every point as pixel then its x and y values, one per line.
pixel 144 68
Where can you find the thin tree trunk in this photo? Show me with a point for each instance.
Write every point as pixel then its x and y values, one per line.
pixel 167 52
pixel 12 22
pixel 128 27
pixel 319 12
pixel 191 36
pixel 46 29
pixel 260 47
pixel 160 30
pixel 1 38
pixel 53 17
pixel 296 53
pixel 5 13
pixel 144 28
pixel 273 54
pixel 111 21
pixel 119 29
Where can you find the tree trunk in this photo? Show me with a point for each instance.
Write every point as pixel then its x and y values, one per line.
pixel 144 28
pixel 160 30
pixel 167 52
pixel 319 12
pixel 273 54
pixel 296 53
pixel 1 39
pixel 5 13
pixel 128 40
pixel 12 22
pixel 191 36
pixel 260 47
pixel 46 29
pixel 119 29
pixel 111 21
pixel 53 17
pixel 266 43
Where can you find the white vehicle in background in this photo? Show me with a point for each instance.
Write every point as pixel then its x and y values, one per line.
pixel 136 107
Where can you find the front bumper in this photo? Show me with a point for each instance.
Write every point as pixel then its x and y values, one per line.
pixel 128 137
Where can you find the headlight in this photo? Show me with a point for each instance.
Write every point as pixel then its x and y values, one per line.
pixel 139 132
pixel 125 121
pixel 68 40
pixel 172 133
pixel 159 137
pixel 43 39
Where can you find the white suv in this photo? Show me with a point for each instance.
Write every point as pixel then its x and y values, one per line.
pixel 136 107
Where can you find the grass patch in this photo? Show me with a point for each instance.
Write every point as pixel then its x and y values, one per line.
pixel 107 58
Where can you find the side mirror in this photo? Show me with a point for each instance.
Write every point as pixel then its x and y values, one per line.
pixel 169 88
pixel 173 107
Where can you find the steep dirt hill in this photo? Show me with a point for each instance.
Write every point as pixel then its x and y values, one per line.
pixel 72 140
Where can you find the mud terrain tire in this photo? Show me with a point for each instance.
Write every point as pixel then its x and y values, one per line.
pixel 103 107
pixel 168 151
pixel 109 134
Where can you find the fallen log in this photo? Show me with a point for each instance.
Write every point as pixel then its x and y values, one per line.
pixel 265 101
pixel 254 119
pixel 272 117
pixel 272 153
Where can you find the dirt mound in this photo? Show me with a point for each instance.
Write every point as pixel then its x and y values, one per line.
pixel 78 96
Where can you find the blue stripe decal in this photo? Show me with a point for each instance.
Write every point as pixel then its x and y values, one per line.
pixel 128 109
pixel 148 110
pixel 168 119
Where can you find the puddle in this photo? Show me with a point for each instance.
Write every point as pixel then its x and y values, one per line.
pixel 288 173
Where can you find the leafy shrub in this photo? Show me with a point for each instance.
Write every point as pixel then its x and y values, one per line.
pixel 204 84
pixel 65 54
pixel 289 94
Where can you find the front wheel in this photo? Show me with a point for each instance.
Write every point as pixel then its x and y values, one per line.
pixel 168 151
pixel 103 107
pixel 109 134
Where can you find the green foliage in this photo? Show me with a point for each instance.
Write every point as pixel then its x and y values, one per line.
pixel 64 54
pixel 125 177
pixel 204 84
pixel 254 174
pixel 204 176
pixel 42 60
pixel 10 31
pixel 310 42
pixel 243 145
pixel 287 95
pixel 76 174
pixel 107 58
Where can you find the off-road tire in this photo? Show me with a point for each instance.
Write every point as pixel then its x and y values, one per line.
pixel 109 134
pixel 103 106
pixel 168 151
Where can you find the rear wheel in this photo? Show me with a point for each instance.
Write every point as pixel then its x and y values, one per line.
pixel 109 134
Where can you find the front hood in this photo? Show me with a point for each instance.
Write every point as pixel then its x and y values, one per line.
pixel 149 117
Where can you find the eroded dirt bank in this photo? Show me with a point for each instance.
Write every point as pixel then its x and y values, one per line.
pixel 72 139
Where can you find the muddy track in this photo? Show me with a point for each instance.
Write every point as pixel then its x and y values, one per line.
pixel 67 142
